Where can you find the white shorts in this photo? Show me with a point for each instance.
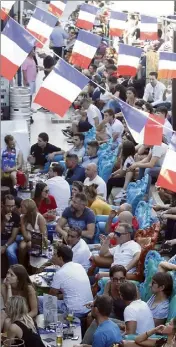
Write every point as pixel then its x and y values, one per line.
pixel 32 86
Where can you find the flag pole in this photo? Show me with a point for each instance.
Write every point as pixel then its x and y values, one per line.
pixel 174 80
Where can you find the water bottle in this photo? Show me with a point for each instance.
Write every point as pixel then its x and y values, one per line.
pixel 59 334
pixel 50 250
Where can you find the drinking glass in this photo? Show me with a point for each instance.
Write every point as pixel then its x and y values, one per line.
pixel 14 343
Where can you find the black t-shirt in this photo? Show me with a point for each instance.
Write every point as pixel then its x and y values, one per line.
pixel 41 153
pixel 7 227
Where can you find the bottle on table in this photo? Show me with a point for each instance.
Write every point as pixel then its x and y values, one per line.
pixel 59 334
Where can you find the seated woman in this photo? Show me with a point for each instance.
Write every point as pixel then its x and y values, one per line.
pixel 21 324
pixel 11 160
pixel 161 287
pixel 31 221
pixel 145 340
pixel 96 204
pixel 17 282
pixel 121 177
pixel 131 96
pixel 43 200
pixel 117 277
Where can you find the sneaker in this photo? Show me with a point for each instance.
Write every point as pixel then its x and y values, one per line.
pixel 66 134
pixel 33 111
pixel 70 141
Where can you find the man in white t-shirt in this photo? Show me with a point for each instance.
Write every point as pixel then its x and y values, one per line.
pixel 168 129
pixel 114 127
pixel 58 186
pixel 151 165
pixel 127 252
pixel 93 178
pixel 94 115
pixel 137 315
pixel 80 249
pixel 72 281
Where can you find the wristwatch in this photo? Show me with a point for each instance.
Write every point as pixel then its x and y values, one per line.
pixel 6 245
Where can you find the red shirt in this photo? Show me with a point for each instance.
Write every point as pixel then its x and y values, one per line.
pixel 44 207
pixel 135 225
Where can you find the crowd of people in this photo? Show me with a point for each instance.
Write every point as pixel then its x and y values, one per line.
pixel 75 196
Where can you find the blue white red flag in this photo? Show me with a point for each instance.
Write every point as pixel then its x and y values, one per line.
pixel 128 60
pixel 144 130
pixel 167 65
pixel 148 28
pixel 167 176
pixel 84 49
pixel 57 7
pixel 41 25
pixel 86 17
pixel 5 8
pixel 16 44
pixel 61 88
pixel 117 23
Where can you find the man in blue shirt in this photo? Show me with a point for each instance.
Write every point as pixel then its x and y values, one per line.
pixel 75 171
pixel 107 333
pixel 57 38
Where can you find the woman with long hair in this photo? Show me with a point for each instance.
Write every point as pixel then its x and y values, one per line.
pixel 31 221
pixel 169 341
pixel 43 200
pixel 96 204
pixel 120 177
pixel 21 324
pixel 131 96
pixel 17 282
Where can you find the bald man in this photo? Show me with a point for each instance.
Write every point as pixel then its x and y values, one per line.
pixel 122 217
pixel 92 177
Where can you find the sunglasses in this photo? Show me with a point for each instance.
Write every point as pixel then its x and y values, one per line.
pixel 119 234
pixel 46 191
pixel 118 280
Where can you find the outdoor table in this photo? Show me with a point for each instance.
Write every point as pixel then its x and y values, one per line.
pixel 52 336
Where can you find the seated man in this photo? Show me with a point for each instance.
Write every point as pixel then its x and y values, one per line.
pixel 80 249
pixel 75 171
pixel 78 215
pixel 58 186
pixel 107 331
pixel 72 281
pixel 92 177
pixel 123 218
pixel 43 151
pixel 137 315
pixel 11 159
pixel 151 165
pixel 167 129
pixel 91 153
pixel 10 223
pixel 126 253
pixel 78 148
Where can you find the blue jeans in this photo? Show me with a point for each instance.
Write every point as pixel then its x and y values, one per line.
pixel 11 251
pixel 152 172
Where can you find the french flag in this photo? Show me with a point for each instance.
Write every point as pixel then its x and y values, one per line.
pixel 167 65
pixel 167 176
pixel 16 44
pixel 84 49
pixel 86 17
pixel 41 25
pixel 5 8
pixel 144 130
pixel 57 7
pixel 117 23
pixel 128 60
pixel 148 28
pixel 61 88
